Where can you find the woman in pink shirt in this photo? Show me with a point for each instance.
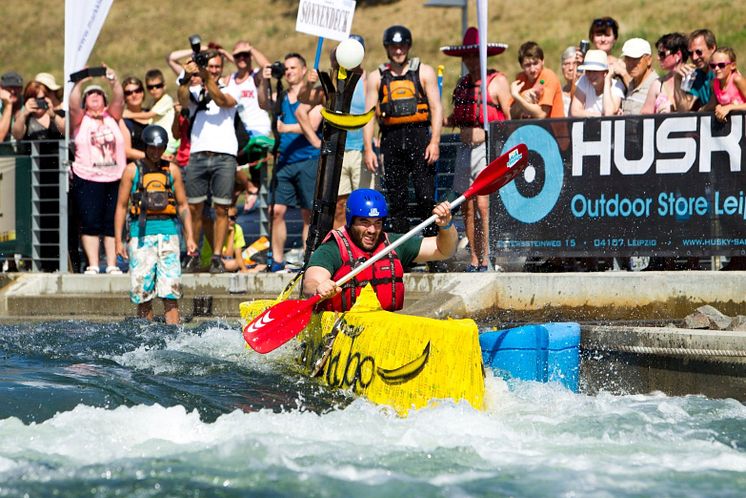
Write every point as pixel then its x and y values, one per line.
pixel 98 166
pixel 729 86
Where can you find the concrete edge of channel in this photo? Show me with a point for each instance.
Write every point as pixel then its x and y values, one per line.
pixel 581 297
pixel 665 341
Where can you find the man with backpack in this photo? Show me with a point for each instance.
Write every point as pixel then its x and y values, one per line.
pixel 405 93
pixel 156 192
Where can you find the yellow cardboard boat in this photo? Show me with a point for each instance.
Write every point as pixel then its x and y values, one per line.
pixel 397 360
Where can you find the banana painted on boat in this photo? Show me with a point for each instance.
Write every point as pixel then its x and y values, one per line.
pixel 346 121
pixel 393 359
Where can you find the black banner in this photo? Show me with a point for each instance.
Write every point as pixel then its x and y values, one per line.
pixel 664 185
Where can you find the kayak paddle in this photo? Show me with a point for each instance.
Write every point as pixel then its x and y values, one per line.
pixel 283 321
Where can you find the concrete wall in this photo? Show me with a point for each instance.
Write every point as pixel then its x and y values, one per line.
pixel 497 297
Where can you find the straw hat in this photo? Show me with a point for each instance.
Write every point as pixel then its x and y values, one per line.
pixel 595 60
pixel 48 81
pixel 471 46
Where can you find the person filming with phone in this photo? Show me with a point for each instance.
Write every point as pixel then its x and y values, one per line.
pixel 99 162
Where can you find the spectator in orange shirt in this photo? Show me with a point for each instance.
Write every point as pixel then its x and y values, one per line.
pixel 536 92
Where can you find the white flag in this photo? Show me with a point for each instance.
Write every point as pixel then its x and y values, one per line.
pixel 83 22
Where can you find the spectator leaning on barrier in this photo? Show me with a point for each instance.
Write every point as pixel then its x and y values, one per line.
pixel 98 166
pixel 598 93
pixel 673 52
pixel 536 91
pixel 212 157
pixel 637 61
pixel 410 115
pixel 729 85
pixel 295 172
pixel 41 119
pixel 156 192
pixel 695 91
pixel 569 69
pixel 471 158
pixel 11 86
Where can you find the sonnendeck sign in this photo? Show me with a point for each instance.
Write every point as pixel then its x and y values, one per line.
pixel 330 19
pixel 647 185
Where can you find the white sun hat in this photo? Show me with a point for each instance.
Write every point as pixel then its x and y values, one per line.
pixel 595 60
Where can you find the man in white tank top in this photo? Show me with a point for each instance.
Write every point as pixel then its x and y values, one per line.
pixel 255 119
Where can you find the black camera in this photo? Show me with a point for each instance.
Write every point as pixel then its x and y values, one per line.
pixel 200 57
pixel 278 70
pixel 584 46
pixel 42 104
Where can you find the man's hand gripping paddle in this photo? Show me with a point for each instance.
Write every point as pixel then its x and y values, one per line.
pixel 283 321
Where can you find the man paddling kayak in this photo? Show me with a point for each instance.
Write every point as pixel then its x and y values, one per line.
pixel 362 237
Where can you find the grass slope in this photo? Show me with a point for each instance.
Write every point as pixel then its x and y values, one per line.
pixel 139 34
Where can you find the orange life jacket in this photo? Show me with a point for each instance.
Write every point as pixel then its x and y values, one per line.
pixel 401 99
pixel 154 192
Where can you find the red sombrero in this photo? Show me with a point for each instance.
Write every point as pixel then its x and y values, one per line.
pixel 471 45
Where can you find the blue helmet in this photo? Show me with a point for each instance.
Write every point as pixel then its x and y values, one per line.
pixel 365 203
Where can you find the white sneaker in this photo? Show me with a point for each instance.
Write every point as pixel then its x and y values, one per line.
pixel 91 270
pixel 113 270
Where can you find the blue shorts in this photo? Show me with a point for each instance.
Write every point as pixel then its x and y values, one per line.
pixel 296 184
pixel 96 202
pixel 210 172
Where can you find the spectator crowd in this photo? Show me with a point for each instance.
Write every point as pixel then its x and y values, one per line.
pixel 223 126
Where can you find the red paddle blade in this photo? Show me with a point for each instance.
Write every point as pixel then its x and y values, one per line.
pixel 280 323
pixel 500 172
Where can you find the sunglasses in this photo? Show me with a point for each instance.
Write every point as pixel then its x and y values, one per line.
pixel 721 65
pixel 127 93
pixel 663 54
pixel 603 23
pixel 242 54
pixel 154 86
pixel 233 218
pixel 699 52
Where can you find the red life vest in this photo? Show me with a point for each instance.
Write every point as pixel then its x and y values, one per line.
pixel 467 103
pixel 386 275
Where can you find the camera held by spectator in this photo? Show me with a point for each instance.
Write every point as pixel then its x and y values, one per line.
pixel 278 70
pixel 201 57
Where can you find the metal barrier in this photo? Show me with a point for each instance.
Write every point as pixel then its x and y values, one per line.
pixel 34 206
pixel 35 210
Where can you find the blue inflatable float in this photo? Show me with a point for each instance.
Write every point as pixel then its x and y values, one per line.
pixel 548 352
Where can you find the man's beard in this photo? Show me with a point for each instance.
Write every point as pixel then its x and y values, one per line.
pixel 358 240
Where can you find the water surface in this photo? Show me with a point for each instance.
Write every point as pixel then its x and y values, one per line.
pixel 137 409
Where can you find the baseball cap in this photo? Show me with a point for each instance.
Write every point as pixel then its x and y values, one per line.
pixel 11 78
pixel 636 47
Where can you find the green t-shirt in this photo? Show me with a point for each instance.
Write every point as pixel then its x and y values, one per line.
pixel 327 254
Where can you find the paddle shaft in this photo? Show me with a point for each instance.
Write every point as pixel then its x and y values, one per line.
pixel 395 244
